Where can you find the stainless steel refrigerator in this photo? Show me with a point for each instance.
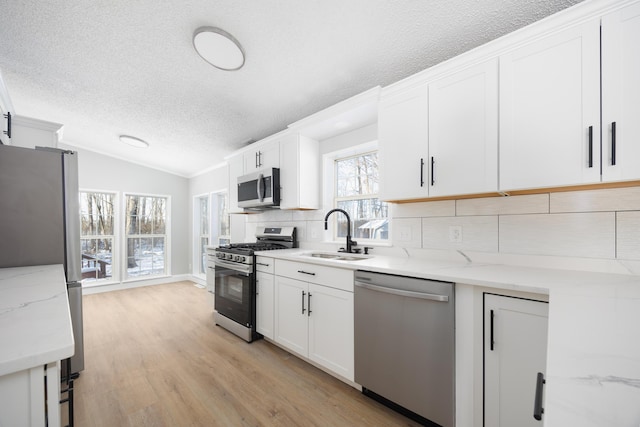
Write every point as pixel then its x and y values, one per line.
pixel 40 220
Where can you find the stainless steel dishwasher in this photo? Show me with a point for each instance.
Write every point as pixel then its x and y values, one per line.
pixel 404 344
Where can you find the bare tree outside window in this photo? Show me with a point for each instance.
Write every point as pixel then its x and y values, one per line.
pixel 356 192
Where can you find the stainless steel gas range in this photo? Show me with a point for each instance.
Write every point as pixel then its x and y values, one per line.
pixel 235 279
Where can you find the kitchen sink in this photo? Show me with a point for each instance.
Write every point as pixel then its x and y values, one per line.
pixel 322 255
pixel 340 256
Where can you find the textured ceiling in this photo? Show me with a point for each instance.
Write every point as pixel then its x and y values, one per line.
pixel 109 67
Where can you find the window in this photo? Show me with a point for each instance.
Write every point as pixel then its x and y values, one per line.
pixel 146 235
pixel 97 214
pixel 221 233
pixel 202 231
pixel 356 191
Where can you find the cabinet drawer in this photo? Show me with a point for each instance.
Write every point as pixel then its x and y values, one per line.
pixel 328 276
pixel 265 264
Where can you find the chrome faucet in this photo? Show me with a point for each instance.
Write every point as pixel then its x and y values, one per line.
pixel 350 242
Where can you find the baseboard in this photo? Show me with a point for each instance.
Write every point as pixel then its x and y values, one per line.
pixel 108 287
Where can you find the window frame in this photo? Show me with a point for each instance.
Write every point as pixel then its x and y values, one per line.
pixel 115 244
pixel 199 253
pixel 218 238
pixel 330 192
pixel 125 237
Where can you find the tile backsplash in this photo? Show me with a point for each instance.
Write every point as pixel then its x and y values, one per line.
pixel 596 230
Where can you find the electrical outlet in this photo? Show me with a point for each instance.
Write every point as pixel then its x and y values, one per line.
pixel 455 233
pixel 314 233
pixel 405 234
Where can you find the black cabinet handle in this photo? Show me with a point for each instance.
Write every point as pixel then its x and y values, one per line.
pixel 8 131
pixel 259 158
pixel 263 264
pixel 421 172
pixel 613 143
pixel 433 174
pixel 538 410
pixel 590 146
pixel 309 304
pixel 303 294
pixel 256 162
pixel 491 330
pixel 306 272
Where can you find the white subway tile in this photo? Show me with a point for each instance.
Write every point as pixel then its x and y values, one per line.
pixel 512 205
pixel 406 232
pixel 628 235
pixel 605 200
pixel 479 233
pixel 589 235
pixel 423 209
pixel 308 215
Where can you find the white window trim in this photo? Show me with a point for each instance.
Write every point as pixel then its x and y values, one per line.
pixel 167 243
pixel 115 269
pixel 329 190
pixel 195 270
pixel 215 220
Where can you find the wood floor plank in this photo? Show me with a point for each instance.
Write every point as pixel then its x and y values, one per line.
pixel 154 357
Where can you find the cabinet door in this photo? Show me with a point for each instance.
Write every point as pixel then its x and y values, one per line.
pixel 331 329
pixel 463 132
pixel 299 173
pixel 549 107
pixel 518 353
pixel 235 170
pixel 264 157
pixel 621 94
pixel 402 145
pixel 291 315
pixel 265 302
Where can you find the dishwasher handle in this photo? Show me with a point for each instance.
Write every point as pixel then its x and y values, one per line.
pixel 403 293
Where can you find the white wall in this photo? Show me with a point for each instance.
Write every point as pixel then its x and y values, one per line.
pixel 100 172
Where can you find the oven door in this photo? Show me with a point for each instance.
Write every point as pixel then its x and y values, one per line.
pixel 235 292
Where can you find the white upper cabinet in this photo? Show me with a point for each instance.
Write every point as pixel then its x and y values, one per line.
pixel 265 156
pixel 463 132
pixel 550 110
pixel 441 138
pixel 403 145
pixel 621 94
pixel 299 172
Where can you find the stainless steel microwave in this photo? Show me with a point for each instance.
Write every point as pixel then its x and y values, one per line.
pixel 259 190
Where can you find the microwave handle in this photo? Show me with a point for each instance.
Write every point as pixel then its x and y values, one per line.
pixel 260 184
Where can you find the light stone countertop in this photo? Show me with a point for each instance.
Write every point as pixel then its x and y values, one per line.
pixel 593 353
pixel 35 322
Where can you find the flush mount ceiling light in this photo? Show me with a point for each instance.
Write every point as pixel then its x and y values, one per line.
pixel 133 141
pixel 218 48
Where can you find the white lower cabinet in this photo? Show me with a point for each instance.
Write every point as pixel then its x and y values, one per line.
pixel 515 350
pixel 265 295
pixel 23 400
pixel 315 320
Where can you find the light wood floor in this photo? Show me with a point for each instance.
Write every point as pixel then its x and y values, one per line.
pixel 154 357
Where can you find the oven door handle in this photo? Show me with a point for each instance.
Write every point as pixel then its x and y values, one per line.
pixel 233 267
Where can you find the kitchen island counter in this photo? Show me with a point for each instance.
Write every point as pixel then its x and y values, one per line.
pixel 35 323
